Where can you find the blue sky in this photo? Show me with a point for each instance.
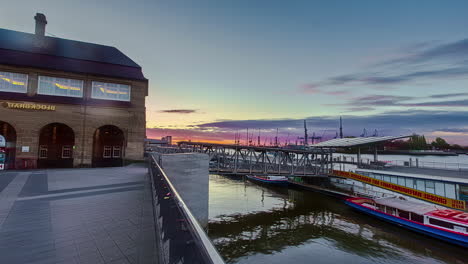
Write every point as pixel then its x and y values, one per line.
pixel 269 62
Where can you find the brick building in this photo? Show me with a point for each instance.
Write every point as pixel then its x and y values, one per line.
pixel 66 103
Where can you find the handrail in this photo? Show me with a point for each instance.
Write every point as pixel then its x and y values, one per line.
pixel 212 255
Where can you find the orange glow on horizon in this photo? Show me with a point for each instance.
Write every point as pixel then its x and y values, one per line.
pixel 179 139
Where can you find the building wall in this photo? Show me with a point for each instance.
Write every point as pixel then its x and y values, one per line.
pixel 84 118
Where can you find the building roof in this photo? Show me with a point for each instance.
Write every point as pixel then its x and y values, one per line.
pixel 352 142
pixel 30 50
pixel 155 141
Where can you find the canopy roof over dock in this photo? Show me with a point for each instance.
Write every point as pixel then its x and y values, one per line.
pixel 353 142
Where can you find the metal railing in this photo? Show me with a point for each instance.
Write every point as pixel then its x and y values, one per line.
pixel 413 163
pixel 179 236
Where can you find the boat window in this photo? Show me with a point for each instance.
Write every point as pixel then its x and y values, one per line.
pixel 420 185
pixel 417 218
pixel 430 186
pixel 391 210
pixel 463 192
pixel 401 181
pixel 403 214
pixel 450 191
pixel 394 179
pixel 440 223
pixel 439 188
pixel 380 208
pixel 410 183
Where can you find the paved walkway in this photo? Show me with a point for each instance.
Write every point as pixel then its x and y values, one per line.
pixel 76 216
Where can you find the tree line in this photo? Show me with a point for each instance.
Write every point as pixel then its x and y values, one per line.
pixel 418 142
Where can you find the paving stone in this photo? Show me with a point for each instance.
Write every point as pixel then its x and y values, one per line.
pixel 72 216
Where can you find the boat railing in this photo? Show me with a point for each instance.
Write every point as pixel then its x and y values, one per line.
pixel 179 236
pixel 410 163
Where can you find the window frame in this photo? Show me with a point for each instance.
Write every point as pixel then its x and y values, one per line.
pixel 67 148
pixel 116 148
pixel 43 149
pixel 72 96
pixel 104 149
pixel 25 85
pixel 93 96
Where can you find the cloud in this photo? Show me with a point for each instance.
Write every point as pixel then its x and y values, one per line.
pixel 360 103
pixel 425 61
pixel 448 95
pixel 454 103
pixel 380 100
pixel 179 111
pixel 455 130
pixel 449 51
pixel 314 89
pixel 388 123
pixel 360 109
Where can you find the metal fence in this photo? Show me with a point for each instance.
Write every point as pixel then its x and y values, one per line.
pixel 412 162
pixel 179 237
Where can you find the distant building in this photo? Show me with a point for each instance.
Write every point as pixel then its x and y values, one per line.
pixel 66 103
pixel 163 142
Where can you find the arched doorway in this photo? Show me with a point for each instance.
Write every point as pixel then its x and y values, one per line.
pixel 108 146
pixel 56 143
pixel 9 132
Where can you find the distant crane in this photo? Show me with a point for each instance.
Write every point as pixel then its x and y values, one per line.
pixel 313 138
pixel 258 138
pixel 341 128
pixel 276 138
pixel 306 137
pixel 364 133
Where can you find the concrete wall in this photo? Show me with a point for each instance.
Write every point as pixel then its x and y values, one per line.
pixel 189 174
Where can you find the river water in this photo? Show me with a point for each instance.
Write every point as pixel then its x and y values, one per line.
pixel 251 223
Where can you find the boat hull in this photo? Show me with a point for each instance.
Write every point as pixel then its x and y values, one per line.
pixel 450 237
pixel 269 182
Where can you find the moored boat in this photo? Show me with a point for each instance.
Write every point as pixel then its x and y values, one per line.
pixel 273 180
pixel 445 224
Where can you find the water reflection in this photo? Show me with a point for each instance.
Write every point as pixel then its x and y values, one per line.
pixel 256 224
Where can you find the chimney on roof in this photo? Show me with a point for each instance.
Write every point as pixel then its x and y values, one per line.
pixel 41 23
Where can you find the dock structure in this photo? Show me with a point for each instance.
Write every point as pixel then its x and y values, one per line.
pixel 242 160
pixel 314 160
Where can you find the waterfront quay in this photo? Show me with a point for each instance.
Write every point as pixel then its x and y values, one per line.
pixel 319 164
pixel 252 223
pixel 76 216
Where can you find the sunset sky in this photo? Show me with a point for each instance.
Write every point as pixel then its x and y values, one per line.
pixel 217 67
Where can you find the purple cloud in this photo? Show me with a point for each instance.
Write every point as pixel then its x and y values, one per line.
pixel 455 130
pixel 388 123
pixel 179 111
pixel 448 95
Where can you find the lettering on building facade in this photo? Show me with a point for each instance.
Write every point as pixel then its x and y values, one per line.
pixel 29 106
